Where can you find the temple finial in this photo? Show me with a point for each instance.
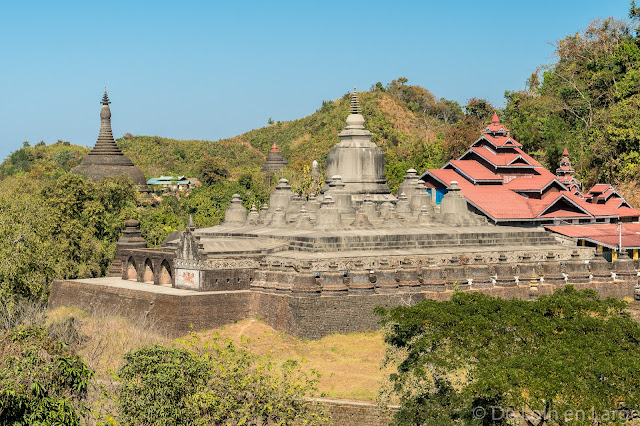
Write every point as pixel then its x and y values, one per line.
pixel 355 104
pixel 105 98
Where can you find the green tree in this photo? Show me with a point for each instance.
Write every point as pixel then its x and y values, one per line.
pixel 41 381
pixel 211 383
pixel 213 169
pixel 567 351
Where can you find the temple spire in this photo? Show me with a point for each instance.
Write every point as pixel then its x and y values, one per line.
pixel 495 119
pixel 355 104
pixel 105 98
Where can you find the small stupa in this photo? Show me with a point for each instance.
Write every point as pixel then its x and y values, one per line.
pixel 106 159
pixel 275 160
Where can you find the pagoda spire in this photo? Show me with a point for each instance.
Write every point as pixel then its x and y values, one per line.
pixel 106 143
pixel 105 98
pixel 355 104
pixel 495 119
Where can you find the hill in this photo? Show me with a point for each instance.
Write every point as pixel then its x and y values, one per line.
pixel 412 127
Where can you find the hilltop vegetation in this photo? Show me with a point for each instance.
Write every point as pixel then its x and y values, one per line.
pixel 588 101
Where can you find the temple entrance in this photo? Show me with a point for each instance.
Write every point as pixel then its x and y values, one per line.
pixel 165 277
pixel 147 277
pixel 132 273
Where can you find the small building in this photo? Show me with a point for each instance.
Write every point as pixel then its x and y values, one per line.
pixel 179 183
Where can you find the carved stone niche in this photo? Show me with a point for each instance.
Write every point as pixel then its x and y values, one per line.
pixel 385 278
pixel 407 277
pixel 332 281
pixel 360 282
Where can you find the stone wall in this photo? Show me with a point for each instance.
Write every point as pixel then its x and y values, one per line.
pixel 351 413
pixel 171 314
pixel 174 311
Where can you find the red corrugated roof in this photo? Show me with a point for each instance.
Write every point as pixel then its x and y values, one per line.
pixel 604 234
pixel 533 183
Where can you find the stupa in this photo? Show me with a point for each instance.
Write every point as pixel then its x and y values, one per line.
pixel 106 159
pixel 275 160
pixel 358 161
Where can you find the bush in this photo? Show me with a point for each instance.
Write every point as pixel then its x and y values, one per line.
pixel 41 381
pixel 211 383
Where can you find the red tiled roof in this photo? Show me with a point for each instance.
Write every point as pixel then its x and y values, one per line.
pixel 495 119
pixel 502 159
pixel 473 170
pixel 500 141
pixel 533 183
pixel 565 153
pixel 598 188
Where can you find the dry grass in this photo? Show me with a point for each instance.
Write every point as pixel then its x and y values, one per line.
pixel 105 338
pixel 350 365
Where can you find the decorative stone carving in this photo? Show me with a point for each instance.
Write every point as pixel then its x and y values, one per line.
pixel 328 217
pixel 189 247
pixel 553 271
pixel 479 274
pixel 407 277
pixel 455 275
pixel 504 272
pixel 281 196
pixel 305 283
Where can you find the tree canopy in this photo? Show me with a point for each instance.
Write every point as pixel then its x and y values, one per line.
pixel 475 358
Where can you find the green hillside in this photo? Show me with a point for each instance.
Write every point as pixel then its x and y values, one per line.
pixel 412 127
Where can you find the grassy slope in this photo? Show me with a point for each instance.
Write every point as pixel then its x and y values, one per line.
pixel 350 365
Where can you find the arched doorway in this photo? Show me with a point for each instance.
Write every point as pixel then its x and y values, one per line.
pixel 147 277
pixel 132 273
pixel 165 277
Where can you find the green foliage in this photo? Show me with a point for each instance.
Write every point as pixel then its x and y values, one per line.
pixel 212 170
pixel 43 160
pixel 41 381
pixel 211 383
pixel 567 351
pixel 62 228
pixel 586 101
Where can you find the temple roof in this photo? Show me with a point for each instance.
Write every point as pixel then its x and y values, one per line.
pixel 106 159
pixel 502 181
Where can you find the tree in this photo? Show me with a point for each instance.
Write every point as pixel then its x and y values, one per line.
pixel 211 383
pixel 567 351
pixel 213 169
pixel 41 381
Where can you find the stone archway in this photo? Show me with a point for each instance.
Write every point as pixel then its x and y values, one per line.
pixel 132 272
pixel 147 275
pixel 165 277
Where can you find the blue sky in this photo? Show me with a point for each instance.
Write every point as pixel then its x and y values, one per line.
pixel 210 69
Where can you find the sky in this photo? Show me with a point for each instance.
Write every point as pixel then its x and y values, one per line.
pixel 215 69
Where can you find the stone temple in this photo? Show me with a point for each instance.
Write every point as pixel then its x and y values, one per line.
pixel 106 159
pixel 318 266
